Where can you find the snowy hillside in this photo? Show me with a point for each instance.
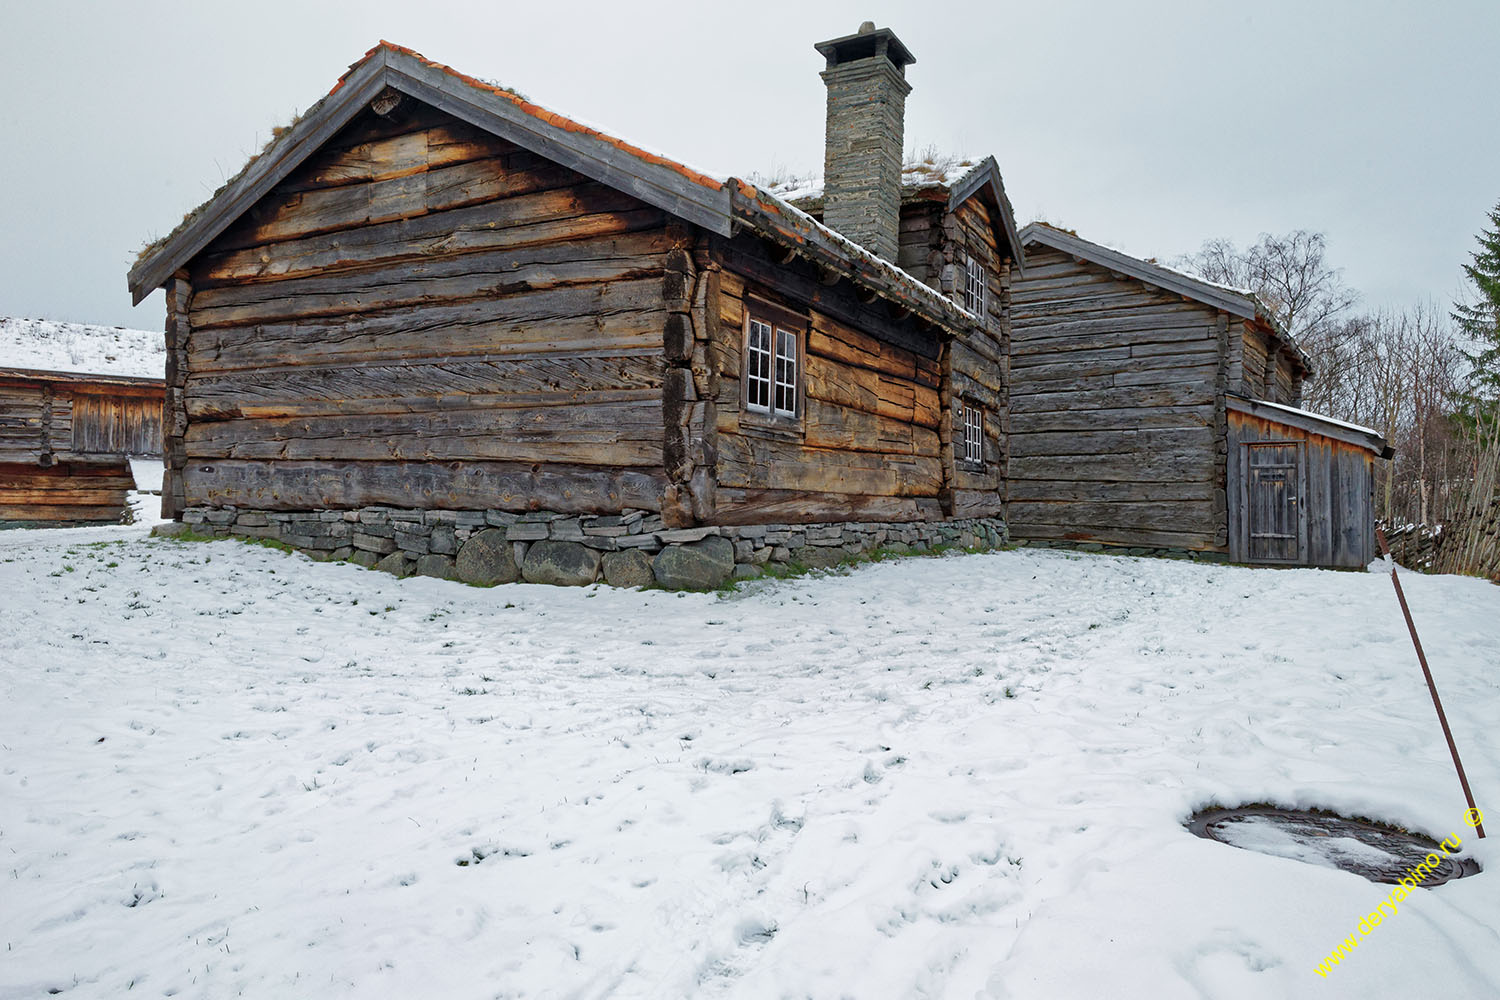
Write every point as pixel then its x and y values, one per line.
pixel 79 347
pixel 231 771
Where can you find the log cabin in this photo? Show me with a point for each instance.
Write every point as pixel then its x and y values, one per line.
pixel 1154 411
pixel 432 303
pixel 66 440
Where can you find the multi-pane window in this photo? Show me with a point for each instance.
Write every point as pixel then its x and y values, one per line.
pixel 973 431
pixel 758 367
pixel 771 369
pixel 974 284
pixel 785 395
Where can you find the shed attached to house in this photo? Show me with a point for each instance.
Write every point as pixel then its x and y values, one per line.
pixel 66 439
pixel 1152 410
pixel 1301 487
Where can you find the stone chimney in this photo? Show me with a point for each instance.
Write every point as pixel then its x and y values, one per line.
pixel 867 88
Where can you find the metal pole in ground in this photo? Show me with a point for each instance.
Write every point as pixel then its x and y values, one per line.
pixel 1436 702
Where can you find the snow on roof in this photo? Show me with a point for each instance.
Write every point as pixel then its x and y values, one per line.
pixel 920 289
pixel 1236 289
pixel 50 345
pixel 1294 411
pixel 927 170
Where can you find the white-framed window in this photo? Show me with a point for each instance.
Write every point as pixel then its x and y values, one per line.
pixel 758 367
pixel 975 282
pixel 972 422
pixel 784 391
pixel 773 366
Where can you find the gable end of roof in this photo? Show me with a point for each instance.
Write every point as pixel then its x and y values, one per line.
pixel 655 180
pixel 1245 305
pixel 986 177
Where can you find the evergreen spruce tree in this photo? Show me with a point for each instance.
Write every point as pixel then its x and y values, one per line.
pixel 1479 321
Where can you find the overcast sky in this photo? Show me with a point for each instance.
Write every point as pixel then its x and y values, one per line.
pixel 1150 126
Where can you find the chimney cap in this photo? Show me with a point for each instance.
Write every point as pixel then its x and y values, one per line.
pixel 867 42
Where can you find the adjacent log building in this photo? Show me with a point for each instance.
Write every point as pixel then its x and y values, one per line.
pixel 433 301
pixel 65 443
pixel 1151 410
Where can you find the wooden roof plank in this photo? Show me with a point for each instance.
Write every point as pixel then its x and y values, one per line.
pixel 81 378
pixel 659 186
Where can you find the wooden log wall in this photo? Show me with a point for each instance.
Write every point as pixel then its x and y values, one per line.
pixel 1112 410
pixel 1260 369
pixel 1337 502
pixel 424 315
pixel 49 418
pixel 978 367
pixel 24 410
pixel 867 447
pixel 920 251
pixel 690 292
pixel 64 493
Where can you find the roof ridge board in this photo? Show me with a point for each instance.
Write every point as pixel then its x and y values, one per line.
pixel 586 150
pixel 54 375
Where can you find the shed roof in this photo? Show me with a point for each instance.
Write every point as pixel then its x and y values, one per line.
pixel 82 378
pixel 1235 301
pixel 720 205
pixel 1314 423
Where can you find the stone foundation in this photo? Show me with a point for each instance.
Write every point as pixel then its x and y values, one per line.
pixel 629 549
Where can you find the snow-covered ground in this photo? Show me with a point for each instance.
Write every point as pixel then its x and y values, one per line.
pixel 226 771
pixel 78 347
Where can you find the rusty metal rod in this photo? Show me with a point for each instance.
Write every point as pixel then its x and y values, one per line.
pixel 1437 703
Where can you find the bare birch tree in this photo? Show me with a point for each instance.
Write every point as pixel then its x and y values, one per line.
pixel 1307 296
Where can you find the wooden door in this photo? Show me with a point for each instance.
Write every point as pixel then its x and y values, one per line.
pixel 1273 503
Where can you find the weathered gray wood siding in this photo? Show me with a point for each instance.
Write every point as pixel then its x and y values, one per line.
pixel 922 240
pixel 1336 501
pixel 23 415
pixel 1259 368
pixel 1113 410
pixel 424 315
pixel 100 422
